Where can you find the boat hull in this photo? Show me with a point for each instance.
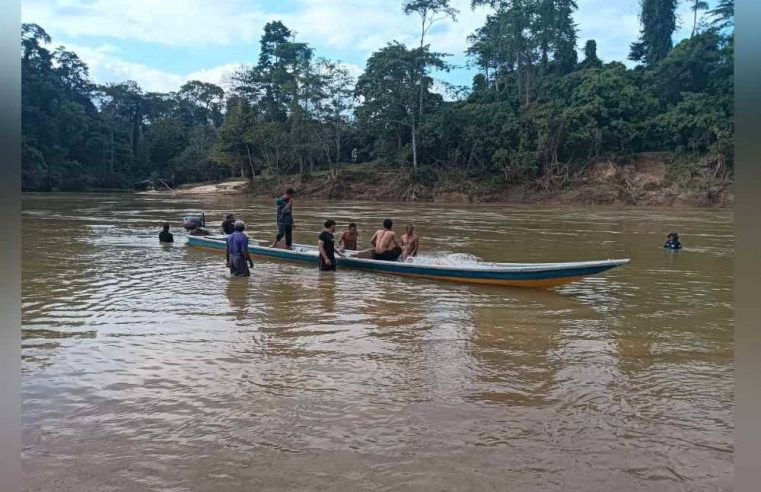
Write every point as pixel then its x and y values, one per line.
pixel 512 275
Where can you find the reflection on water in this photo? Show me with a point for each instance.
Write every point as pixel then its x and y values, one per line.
pixel 152 369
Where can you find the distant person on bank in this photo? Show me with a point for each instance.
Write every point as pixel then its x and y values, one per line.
pixel 672 241
pixel 385 245
pixel 348 239
pixel 228 225
pixel 284 218
pixel 409 242
pixel 165 236
pixel 326 245
pixel 237 256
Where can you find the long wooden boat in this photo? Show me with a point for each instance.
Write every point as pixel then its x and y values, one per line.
pixel 506 274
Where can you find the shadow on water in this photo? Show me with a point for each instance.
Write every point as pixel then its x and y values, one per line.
pixel 238 291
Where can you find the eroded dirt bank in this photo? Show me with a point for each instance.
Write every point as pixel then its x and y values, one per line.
pixel 646 180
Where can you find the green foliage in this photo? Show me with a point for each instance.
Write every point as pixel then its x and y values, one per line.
pixel 658 19
pixel 532 115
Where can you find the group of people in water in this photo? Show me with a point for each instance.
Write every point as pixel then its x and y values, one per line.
pixel 385 244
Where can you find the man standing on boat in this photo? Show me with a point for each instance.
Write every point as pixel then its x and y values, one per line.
pixel 285 218
pixel 385 245
pixel 237 256
pixel 348 239
pixel 326 245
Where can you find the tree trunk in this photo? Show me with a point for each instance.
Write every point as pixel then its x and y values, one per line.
pixel 338 145
pixel 414 149
pixel 422 69
pixel 250 161
pixel 111 164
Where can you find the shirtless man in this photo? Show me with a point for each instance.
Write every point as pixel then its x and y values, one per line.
pixel 348 239
pixel 385 245
pixel 409 242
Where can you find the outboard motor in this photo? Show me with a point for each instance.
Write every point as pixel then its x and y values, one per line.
pixel 194 221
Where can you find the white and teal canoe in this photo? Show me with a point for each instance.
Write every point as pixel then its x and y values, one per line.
pixel 506 274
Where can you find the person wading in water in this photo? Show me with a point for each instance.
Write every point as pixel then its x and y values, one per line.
pixel 228 225
pixel 165 236
pixel 285 219
pixel 672 241
pixel 385 245
pixel 348 239
pixel 237 257
pixel 326 244
pixel 409 242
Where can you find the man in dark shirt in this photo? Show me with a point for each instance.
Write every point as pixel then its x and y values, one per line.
pixel 326 244
pixel 285 218
pixel 228 225
pixel 237 254
pixel 165 236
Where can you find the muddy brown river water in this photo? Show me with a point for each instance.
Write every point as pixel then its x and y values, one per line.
pixel 145 367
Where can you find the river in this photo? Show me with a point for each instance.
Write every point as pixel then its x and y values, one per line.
pixel 145 367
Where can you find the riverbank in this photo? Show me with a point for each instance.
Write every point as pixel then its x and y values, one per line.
pixel 645 180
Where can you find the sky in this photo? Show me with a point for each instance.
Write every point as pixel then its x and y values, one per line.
pixel 162 44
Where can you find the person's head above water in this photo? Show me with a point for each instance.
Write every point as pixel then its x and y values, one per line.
pixel 330 224
pixel 289 192
pixel 409 228
pixel 352 226
pixel 229 217
pixel 388 224
pixel 166 226
pixel 239 226
pixel 672 235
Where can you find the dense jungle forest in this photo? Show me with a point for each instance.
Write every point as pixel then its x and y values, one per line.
pixel 536 111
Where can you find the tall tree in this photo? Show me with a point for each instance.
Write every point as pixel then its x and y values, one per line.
pixel 590 55
pixel 333 108
pixel 389 90
pixel 658 19
pixel 723 14
pixel 201 102
pixel 564 35
pixel 430 11
pixel 696 6
pixel 509 39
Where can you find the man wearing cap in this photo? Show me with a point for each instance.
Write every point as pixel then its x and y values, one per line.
pixel 237 256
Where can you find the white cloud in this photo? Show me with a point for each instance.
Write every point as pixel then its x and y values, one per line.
pixel 169 22
pixel 342 24
pixel 613 25
pixel 106 66
pixel 336 28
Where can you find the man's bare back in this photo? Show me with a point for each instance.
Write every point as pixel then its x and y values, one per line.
pixel 385 245
pixel 382 240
